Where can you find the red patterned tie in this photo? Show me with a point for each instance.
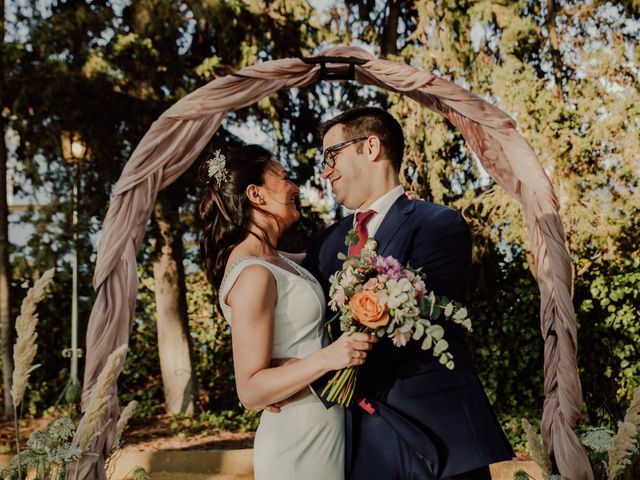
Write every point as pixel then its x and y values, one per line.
pixel 362 218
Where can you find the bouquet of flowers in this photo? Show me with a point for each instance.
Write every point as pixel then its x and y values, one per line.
pixel 377 295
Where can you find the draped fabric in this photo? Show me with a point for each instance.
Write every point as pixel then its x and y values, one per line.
pixel 176 139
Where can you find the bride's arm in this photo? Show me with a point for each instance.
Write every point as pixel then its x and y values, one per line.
pixel 295 257
pixel 252 300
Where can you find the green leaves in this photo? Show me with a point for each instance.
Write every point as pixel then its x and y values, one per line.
pixel 351 238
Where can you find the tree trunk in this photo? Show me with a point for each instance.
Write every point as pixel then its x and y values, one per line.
pixel 174 341
pixel 6 326
pixel 390 32
pixel 554 41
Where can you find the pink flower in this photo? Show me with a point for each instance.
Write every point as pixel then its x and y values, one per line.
pixel 389 266
pixel 371 284
pixel 338 297
pixel 399 338
pixel 419 285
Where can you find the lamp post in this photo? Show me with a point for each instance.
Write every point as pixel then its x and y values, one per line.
pixel 74 151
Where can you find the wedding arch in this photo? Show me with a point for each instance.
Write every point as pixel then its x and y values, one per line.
pixel 178 136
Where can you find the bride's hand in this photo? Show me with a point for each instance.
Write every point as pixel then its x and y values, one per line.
pixel 411 195
pixel 349 350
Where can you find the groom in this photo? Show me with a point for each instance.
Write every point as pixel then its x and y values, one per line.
pixel 415 419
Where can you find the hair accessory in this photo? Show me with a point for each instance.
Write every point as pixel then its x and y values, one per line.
pixel 217 168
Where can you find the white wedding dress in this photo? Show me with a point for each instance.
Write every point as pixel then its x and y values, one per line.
pixel 305 441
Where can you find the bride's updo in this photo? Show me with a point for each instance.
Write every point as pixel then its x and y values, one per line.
pixel 225 209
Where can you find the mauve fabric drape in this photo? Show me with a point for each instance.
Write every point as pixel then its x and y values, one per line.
pixel 176 139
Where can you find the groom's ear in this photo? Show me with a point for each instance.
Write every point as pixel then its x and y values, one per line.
pixel 372 148
pixel 254 195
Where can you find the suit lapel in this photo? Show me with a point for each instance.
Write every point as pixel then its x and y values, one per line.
pixel 392 222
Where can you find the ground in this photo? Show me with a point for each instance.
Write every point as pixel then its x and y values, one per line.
pixel 164 433
pixel 157 433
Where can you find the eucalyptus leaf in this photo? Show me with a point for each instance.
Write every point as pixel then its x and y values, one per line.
pixel 436 331
pixel 419 332
pixel 440 347
pixel 448 310
pixel 460 314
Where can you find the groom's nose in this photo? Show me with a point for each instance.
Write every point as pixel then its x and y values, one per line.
pixel 326 171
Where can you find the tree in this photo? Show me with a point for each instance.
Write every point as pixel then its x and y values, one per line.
pixel 6 337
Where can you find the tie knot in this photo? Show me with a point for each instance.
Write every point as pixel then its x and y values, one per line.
pixel 362 218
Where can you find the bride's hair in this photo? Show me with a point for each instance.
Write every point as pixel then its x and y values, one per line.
pixel 225 209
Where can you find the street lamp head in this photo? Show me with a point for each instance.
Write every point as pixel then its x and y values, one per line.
pixel 78 149
pixel 74 150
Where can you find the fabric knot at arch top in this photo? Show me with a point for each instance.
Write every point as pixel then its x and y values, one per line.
pixel 362 219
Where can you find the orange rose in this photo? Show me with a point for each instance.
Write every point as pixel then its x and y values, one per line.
pixel 367 310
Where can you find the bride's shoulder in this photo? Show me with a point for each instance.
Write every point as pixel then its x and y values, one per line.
pixel 246 278
pixel 240 261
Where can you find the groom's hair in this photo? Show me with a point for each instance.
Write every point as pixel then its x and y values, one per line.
pixel 365 121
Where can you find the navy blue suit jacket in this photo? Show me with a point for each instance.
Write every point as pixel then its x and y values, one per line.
pixel 442 416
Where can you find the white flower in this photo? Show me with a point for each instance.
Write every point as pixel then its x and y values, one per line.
pixel 408 311
pixel 398 292
pixel 400 338
pixel 348 278
pixel 338 297
pixel 333 281
pixel 336 292
pixel 370 244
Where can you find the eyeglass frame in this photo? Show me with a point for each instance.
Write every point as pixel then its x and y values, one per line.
pixel 334 149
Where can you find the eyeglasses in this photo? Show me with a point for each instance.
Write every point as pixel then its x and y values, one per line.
pixel 329 155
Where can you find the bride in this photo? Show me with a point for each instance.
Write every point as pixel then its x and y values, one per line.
pixel 276 311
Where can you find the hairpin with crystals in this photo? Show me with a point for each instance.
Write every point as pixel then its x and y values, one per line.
pixel 217 169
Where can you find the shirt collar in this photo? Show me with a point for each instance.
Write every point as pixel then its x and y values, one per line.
pixel 384 203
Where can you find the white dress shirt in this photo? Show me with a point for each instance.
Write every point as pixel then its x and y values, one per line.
pixel 381 206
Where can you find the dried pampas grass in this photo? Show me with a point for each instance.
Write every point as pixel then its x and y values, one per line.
pixel 123 421
pixel 622 446
pixel 633 413
pixel 537 450
pixel 100 399
pixel 25 348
